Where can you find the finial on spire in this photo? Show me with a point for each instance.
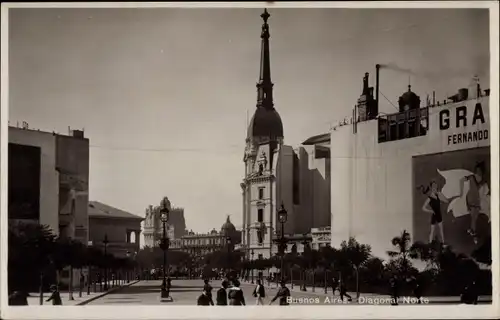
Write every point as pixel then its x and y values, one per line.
pixel 409 88
pixel 265 15
pixel 228 219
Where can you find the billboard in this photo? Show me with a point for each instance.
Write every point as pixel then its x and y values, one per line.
pixel 24 182
pixel 451 198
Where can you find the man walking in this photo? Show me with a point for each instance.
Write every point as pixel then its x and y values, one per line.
pixel 208 289
pixel 204 299
pixel 55 297
pixel 343 292
pixel 335 284
pixel 221 298
pixel 259 292
pixel 235 295
pixel 283 294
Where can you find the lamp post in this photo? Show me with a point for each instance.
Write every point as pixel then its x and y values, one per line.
pixel 282 218
pixel 165 210
pixel 228 243
pixel 105 242
pixel 127 269
pixel 306 253
pixel 253 265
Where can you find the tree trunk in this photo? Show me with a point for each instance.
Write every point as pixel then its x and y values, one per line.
pixel 70 287
pixel 41 288
pixel 357 282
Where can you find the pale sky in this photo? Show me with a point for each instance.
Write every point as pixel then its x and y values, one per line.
pixel 163 94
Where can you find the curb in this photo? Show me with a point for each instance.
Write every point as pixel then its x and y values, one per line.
pixel 106 293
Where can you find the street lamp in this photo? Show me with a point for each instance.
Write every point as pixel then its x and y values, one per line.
pixel 127 270
pixel 105 242
pixel 228 242
pixel 165 210
pixel 306 252
pixel 282 217
pixel 253 266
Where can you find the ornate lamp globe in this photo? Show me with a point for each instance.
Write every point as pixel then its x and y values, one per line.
pixel 282 214
pixel 164 216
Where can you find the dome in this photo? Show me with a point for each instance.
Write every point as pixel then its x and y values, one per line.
pixel 265 123
pixel 228 227
pixel 409 98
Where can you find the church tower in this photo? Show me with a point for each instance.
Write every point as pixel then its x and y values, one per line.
pixel 263 144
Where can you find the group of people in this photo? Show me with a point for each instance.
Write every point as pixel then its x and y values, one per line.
pixel 231 294
pixel 20 297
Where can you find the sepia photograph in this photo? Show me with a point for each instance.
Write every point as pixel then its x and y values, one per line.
pixel 248 155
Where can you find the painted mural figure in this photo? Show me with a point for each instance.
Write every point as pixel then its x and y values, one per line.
pixel 433 205
pixel 477 197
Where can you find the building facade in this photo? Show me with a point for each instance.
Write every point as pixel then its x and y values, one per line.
pixel 48 180
pixel 200 244
pixel 321 237
pixel 277 174
pixel 387 167
pixel 121 228
pixel 153 227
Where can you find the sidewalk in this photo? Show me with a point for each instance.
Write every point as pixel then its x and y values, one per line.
pixel 320 291
pixel 34 298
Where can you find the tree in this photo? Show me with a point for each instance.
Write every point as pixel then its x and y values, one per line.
pixel 357 254
pixel 30 247
pixel 401 257
pixel 372 271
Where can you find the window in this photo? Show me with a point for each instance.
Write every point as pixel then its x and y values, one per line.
pixel 261 193
pixel 260 215
pixel 260 256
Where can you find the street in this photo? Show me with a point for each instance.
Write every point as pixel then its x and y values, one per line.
pixel 186 292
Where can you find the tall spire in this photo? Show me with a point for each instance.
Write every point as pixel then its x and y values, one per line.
pixel 265 86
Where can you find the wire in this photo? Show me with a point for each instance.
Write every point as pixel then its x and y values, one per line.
pixel 388 100
pixel 164 149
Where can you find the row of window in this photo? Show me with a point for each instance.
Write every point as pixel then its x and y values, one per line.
pixel 403 125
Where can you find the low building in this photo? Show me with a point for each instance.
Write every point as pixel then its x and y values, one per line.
pixel 121 228
pixel 200 244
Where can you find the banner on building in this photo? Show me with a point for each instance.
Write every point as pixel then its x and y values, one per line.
pixel 451 198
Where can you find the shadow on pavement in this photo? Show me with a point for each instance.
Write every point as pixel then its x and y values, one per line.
pixel 145 288
pixel 186 290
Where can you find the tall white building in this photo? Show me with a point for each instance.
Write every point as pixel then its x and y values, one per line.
pixel 277 174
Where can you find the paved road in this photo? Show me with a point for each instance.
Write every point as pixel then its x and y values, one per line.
pixel 186 292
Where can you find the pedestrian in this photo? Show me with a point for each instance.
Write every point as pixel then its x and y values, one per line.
pixel 18 298
pixel 394 291
pixel 283 294
pixel 204 299
pixel 335 284
pixel 221 298
pixel 55 297
pixel 169 285
pixel 343 292
pixel 259 292
pixel 208 289
pixel 235 294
